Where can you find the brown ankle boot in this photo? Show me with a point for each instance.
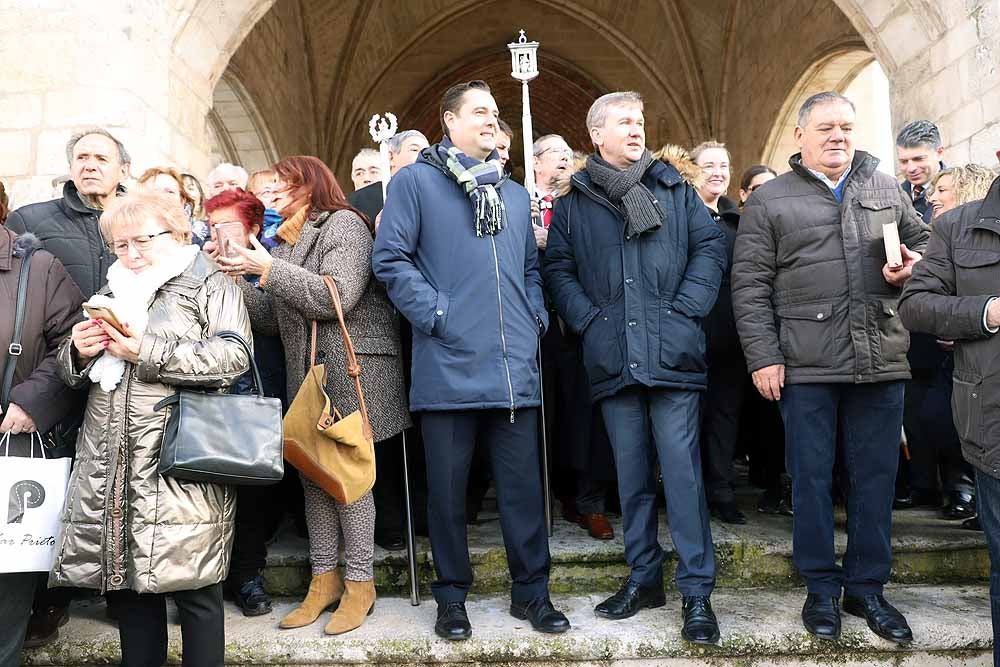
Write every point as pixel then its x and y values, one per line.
pixel 324 590
pixel 358 602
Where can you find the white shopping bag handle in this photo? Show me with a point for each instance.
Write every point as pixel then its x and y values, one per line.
pixel 5 443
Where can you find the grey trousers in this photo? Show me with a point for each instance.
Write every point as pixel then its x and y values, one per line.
pixel 328 521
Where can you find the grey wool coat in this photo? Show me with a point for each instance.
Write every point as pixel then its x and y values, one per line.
pixel 337 244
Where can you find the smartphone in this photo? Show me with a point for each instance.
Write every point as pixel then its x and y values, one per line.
pixel 229 236
pixel 104 313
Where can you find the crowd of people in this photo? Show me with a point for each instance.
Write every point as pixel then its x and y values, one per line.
pixel 674 332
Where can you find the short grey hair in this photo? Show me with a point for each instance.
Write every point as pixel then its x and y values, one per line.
pixel 919 133
pixel 539 145
pixel 599 109
pixel 123 156
pixel 228 166
pixel 365 152
pixel 821 99
pixel 397 140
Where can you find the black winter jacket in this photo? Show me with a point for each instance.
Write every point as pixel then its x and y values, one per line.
pixel 68 229
pixel 638 302
pixel 720 325
pixel 947 295
pixel 808 290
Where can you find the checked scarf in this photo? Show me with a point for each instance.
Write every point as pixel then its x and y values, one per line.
pixel 478 179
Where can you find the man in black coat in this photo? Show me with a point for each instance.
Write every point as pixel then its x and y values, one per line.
pixel 68 229
pixel 404 147
pixel 633 264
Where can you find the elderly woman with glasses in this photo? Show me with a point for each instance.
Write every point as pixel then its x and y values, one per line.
pixel 127 530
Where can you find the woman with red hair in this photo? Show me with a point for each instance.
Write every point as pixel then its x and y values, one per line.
pixel 322 235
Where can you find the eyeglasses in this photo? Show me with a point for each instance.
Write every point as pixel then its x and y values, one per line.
pixel 140 243
pixel 559 152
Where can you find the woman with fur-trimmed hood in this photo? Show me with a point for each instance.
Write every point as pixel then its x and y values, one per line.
pixel 634 262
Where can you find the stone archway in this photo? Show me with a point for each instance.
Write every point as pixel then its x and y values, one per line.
pixel 239 134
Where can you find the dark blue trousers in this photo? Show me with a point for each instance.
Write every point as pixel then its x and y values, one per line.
pixel 449 441
pixel 988 503
pixel 645 425
pixel 869 419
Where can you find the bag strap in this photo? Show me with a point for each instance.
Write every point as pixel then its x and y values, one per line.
pixel 353 367
pixel 15 349
pixel 235 337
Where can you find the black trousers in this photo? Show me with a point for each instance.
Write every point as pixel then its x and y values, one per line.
pixel 449 440
pixel 389 491
pixel 142 627
pixel 16 593
pixel 720 426
pixel 259 510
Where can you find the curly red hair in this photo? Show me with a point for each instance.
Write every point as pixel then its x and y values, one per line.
pixel 249 209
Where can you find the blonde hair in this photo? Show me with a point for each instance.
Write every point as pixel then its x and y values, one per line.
pixel 706 145
pixel 135 208
pixel 153 172
pixel 970 183
pixel 259 178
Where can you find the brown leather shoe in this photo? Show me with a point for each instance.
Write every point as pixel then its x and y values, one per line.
pixel 43 627
pixel 598 526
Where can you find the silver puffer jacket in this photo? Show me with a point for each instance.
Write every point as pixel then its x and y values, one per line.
pixel 124 525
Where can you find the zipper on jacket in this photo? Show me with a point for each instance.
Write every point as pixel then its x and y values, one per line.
pixel 503 338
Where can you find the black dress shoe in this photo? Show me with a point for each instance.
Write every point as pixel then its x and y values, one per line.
pixel 453 622
pixel 773 502
pixel 700 624
pixel 728 513
pixel 251 597
pixel 629 599
pixel 390 541
pixel 43 626
pixel 542 615
pixel 821 616
pixel 883 619
pixel 960 506
pixel 972 524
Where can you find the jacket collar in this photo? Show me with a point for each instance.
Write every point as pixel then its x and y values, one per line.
pixel 661 173
pixel 862 167
pixel 75 201
pixel 988 215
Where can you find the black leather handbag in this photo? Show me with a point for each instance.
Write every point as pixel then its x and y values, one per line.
pixel 223 438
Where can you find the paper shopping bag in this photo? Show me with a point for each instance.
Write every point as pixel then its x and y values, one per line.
pixel 32 493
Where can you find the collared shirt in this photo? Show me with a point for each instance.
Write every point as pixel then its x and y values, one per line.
pixel 830 184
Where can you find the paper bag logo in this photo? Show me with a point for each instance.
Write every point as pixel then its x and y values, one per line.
pixel 26 494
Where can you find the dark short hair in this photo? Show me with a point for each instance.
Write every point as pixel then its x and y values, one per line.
pixel 818 100
pixel 753 172
pixel 919 133
pixel 452 98
pixel 505 128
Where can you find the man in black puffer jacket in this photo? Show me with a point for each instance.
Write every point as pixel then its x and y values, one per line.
pixel 67 227
pixel 815 306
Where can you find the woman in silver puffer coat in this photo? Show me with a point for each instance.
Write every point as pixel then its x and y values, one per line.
pixel 127 530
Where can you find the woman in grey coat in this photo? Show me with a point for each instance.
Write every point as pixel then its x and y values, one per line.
pixel 323 236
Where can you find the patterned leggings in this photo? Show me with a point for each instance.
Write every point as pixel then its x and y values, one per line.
pixel 327 520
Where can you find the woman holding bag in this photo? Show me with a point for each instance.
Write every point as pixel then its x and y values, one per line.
pixel 322 235
pixel 128 530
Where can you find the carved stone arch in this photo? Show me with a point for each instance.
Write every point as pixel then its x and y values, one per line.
pixel 240 133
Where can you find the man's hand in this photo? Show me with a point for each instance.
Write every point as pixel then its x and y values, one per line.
pixel 17 421
pixel 769 381
pixel 898 275
pixel 541 236
pixel 993 314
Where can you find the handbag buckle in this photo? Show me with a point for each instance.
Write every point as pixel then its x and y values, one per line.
pixel 14 349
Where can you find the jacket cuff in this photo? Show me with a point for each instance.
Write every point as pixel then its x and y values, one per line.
pixel 764 363
pixel 986 308
pixel 150 358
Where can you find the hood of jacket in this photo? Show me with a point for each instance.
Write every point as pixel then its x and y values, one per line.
pixel 680 167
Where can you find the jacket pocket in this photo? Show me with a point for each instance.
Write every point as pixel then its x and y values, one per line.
pixel 975 258
pixel 967 407
pixel 806 334
pixel 602 352
pixel 682 341
pixel 440 315
pixel 877 212
pixel 893 338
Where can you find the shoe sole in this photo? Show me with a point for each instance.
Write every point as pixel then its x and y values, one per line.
pixel 454 638
pixel 714 641
pixel 250 613
pixel 522 616
pixel 656 604
pixel 871 626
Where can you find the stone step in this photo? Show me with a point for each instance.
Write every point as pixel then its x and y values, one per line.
pixel 927 549
pixel 951 626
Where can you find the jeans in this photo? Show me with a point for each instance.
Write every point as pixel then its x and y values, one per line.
pixel 988 498
pixel 646 425
pixel 16 593
pixel 868 419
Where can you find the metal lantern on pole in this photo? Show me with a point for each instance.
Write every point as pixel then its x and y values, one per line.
pixel 524 68
pixel 382 129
